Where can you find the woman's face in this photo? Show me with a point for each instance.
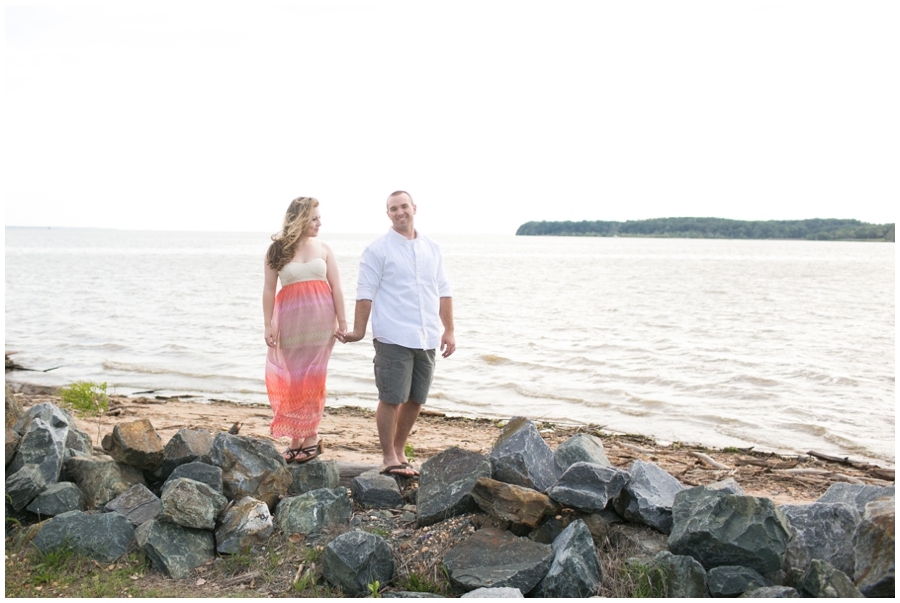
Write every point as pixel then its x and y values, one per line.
pixel 313 229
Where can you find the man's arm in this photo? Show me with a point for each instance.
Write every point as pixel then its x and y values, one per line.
pixel 448 342
pixel 360 321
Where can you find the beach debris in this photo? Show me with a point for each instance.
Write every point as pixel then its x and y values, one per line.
pixel 588 486
pixel 104 537
pixel 314 511
pixel 446 482
pixel 508 502
pixel 575 569
pixel 250 467
pixel 733 580
pixel 315 474
pixel 243 525
pixel 874 549
pixel 357 559
pixel 138 504
pixel 581 447
pixel 496 558
pixel 173 549
pixel 235 428
pixel 648 496
pixel 708 460
pixel 722 529
pixel 684 577
pixel 520 456
pixel 135 443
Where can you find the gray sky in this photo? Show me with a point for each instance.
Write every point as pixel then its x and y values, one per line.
pixel 199 116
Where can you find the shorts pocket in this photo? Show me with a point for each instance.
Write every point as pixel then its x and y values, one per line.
pixel 383 378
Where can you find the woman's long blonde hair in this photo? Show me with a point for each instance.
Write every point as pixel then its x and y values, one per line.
pixel 296 220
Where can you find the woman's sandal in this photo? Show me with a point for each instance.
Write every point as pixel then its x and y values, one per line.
pixel 292 454
pixel 311 452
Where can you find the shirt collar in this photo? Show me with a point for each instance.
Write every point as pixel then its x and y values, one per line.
pixel 400 237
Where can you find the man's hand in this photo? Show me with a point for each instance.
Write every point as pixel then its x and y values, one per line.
pixel 448 344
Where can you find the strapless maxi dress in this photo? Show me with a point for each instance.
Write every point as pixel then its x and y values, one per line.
pixel 304 323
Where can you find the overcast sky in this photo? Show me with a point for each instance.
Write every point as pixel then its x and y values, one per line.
pixel 197 116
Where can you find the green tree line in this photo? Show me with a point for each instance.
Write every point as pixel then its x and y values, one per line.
pixel 717 228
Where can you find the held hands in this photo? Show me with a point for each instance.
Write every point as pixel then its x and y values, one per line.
pixel 349 336
pixel 448 344
pixel 270 336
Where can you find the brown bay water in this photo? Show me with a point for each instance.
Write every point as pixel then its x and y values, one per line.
pixel 781 345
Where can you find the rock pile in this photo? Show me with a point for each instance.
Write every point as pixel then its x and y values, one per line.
pixel 199 495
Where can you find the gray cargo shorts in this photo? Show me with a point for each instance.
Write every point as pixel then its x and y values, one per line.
pixel 402 374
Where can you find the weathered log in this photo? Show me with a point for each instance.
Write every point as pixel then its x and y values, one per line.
pixel 708 460
pixel 638 448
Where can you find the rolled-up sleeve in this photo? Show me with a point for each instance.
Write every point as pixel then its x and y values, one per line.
pixel 370 269
pixel 442 282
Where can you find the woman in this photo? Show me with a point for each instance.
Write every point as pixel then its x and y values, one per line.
pixel 301 322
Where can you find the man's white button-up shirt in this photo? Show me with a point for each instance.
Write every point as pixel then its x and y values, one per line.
pixel 405 281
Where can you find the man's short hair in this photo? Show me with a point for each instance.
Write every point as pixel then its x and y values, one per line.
pixel 395 193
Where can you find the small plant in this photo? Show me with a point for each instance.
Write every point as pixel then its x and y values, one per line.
pixel 409 452
pixel 310 554
pixel 731 449
pixel 374 587
pixel 379 532
pixel 417 584
pixel 648 581
pixel 87 399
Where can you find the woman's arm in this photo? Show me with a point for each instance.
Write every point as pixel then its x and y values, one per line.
pixel 269 303
pixel 337 294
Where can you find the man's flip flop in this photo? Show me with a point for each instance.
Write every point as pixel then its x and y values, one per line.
pixel 411 468
pixel 395 471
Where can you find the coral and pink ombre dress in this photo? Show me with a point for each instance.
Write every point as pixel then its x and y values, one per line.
pixel 304 322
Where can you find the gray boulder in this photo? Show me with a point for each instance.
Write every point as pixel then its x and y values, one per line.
pixel 14 408
pixel 186 446
pixel 199 472
pixel 874 549
pixel 356 559
pixel 580 448
pixel 728 486
pixel 137 504
pixel 135 443
pixel 821 531
pixel 855 494
pixel 77 442
pixel 43 445
pixel 575 570
pixel 312 511
pixel 191 504
pixel 684 576
pixel 771 592
pixel 12 444
pixel 57 499
pixel 446 482
pixel 245 524
pixel 588 487
pixel 648 496
pixel 104 537
pixel 101 478
pixel 24 486
pixel 372 489
pixel 520 456
pixel 175 550
pixel 250 467
pixel 495 558
pixel 723 529
pixel 313 475
pixel 735 580
pixel 823 580
pixel 493 593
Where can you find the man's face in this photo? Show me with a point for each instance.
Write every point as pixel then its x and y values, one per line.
pixel 400 209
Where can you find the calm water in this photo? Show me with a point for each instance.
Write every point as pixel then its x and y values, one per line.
pixel 782 345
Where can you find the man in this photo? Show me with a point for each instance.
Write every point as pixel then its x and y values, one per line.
pixel 403 286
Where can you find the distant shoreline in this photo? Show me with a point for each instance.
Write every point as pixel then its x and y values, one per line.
pixel 717 228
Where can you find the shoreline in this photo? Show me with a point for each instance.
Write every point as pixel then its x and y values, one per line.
pixel 350 436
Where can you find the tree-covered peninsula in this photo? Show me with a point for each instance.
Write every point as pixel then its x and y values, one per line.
pixel 717 228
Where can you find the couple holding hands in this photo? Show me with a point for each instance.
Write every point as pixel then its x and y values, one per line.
pixel 402 286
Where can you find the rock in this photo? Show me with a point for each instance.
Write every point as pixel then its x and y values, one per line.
pixel 137 504
pixel 648 496
pixel 580 448
pixel 175 550
pixel 492 558
pixel 313 475
pixel 728 486
pixel 684 576
pixel 13 408
pixel 12 444
pixel 199 472
pixel 874 548
pixel 191 504
pixel 716 529
pixel 245 524
pixel 101 478
pixel 57 499
pixel 821 531
pixel 575 570
pixel 734 580
pixel 407 594
pixel 520 456
pixel 77 442
pixel 250 467
pixel 356 559
pixel 310 512
pixel 823 580
pixel 446 482
pixel 24 486
pixel 493 593
pixel 186 446
pixel 771 592
pixel 43 445
pixel 521 506
pixel 550 530
pixel 588 487
pixel 104 537
pixel 855 494
pixel 371 489
pixel 136 444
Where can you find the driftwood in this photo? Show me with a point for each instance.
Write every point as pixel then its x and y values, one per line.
pixel 351 470
pixel 243 578
pixel 637 448
pixel 707 460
